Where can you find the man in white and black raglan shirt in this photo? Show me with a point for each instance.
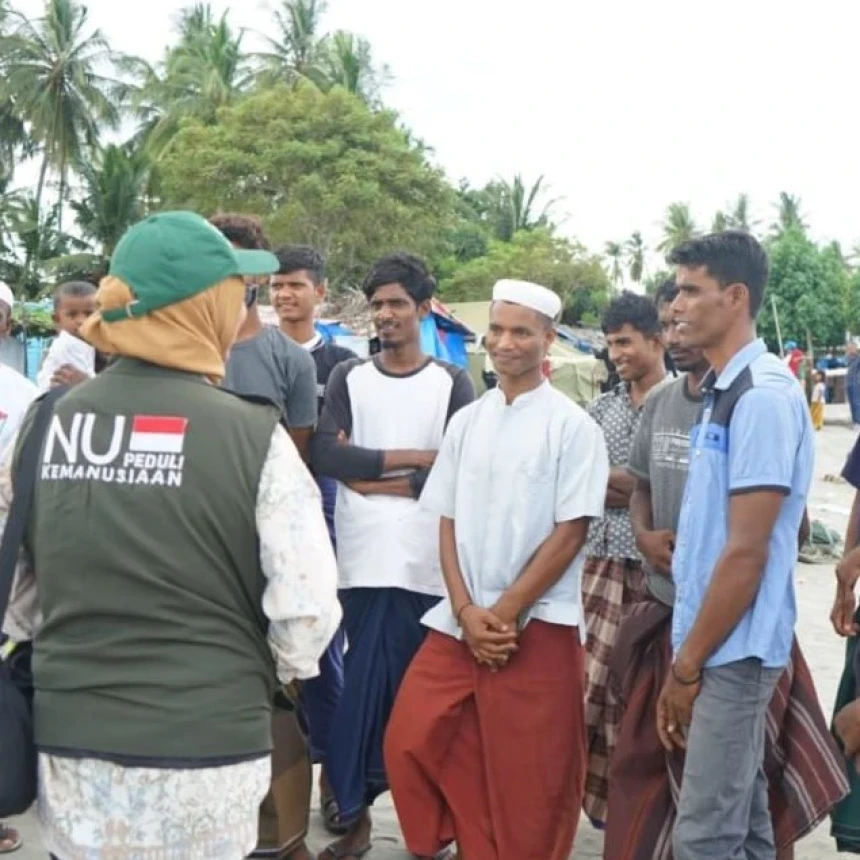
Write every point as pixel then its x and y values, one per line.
pixel 381 426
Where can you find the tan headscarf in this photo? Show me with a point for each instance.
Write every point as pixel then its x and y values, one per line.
pixel 192 335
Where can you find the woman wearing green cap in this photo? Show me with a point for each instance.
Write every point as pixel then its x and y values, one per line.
pixel 183 566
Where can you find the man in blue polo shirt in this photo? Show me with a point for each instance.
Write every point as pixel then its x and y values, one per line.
pixel 751 459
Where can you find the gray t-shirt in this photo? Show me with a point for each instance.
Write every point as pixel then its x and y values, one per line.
pixel 660 453
pixel 273 366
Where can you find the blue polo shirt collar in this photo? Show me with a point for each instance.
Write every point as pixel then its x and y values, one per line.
pixel 738 363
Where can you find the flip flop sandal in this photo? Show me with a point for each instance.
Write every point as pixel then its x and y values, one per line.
pixel 346 853
pixel 331 816
pixel 7 835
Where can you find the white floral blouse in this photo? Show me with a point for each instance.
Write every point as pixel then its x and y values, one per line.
pixel 91 809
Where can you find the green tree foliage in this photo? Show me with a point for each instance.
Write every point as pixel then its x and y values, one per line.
pixel 51 74
pixel 320 168
pixel 113 196
pixel 537 255
pixel 635 249
pixel 808 287
pixel 678 226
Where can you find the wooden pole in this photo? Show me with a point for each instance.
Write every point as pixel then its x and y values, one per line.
pixel 778 330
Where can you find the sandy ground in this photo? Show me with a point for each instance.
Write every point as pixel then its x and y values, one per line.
pixel 830 503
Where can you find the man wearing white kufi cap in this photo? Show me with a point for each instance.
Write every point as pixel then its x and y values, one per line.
pixel 520 474
pixel 11 352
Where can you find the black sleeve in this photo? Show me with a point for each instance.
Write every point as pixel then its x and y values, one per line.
pixel 341 460
pixel 462 392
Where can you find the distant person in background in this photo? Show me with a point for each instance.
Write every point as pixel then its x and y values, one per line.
pixel 852 381
pixel 264 362
pixel 70 359
pixel 11 350
pixel 794 357
pixel 297 289
pixel 819 399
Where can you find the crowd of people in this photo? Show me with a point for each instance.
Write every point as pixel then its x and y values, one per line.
pixel 250 551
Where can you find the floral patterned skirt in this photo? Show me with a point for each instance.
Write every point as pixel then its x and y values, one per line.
pixel 96 810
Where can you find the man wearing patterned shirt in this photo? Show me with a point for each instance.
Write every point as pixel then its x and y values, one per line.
pixel 612 577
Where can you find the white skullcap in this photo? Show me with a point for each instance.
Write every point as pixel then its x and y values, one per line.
pixel 528 295
pixel 6 295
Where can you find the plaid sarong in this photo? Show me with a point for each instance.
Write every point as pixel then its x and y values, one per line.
pixel 610 587
pixel 804 767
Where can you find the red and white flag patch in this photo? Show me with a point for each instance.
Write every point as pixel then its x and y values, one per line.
pixel 158 434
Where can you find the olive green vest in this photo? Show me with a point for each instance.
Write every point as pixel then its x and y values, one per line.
pixel 144 540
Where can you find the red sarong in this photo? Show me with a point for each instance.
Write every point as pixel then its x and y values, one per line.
pixel 493 761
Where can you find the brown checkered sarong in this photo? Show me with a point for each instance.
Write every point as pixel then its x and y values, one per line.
pixel 610 586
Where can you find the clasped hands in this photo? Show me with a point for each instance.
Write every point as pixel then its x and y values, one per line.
pixel 490 634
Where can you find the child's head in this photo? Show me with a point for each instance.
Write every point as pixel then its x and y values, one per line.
pixel 820 376
pixel 74 301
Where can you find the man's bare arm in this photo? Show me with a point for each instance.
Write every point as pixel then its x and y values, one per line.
pixel 301 437
pixel 620 488
pixel 641 514
pixel 736 578
pixel 546 567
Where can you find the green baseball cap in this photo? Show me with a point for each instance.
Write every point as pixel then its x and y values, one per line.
pixel 171 256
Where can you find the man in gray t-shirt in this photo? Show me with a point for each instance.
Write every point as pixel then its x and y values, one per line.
pixel 263 361
pixel 269 364
pixel 660 455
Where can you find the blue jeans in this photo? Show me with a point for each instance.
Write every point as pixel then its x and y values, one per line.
pixel 723 811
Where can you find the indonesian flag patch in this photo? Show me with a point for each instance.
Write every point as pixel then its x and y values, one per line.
pixel 158 434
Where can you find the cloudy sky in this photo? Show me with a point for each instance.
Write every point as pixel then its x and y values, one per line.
pixel 623 105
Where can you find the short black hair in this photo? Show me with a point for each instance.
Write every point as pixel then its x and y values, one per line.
pixel 246 231
pixel 405 269
pixel 295 258
pixel 639 312
pixel 666 293
pixel 731 257
pixel 73 289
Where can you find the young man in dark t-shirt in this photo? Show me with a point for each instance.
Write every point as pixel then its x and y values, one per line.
pixel 297 289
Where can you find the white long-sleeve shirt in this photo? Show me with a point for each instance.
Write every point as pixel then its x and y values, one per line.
pixel 91 808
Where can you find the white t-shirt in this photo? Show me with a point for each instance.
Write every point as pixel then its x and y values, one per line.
pixel 506 475
pixel 16 395
pixel 66 349
pixel 386 541
pixel 819 393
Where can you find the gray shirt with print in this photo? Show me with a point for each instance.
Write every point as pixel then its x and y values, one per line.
pixel 660 453
pixel 273 366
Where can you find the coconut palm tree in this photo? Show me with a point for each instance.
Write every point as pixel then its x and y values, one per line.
pixel 678 226
pixel 790 215
pixel 205 71
pixel 36 243
pixel 739 215
pixel 297 52
pixel 347 61
pixel 113 195
pixel 636 249
pixel 50 69
pixel 614 253
pixel 512 206
pixel 720 222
